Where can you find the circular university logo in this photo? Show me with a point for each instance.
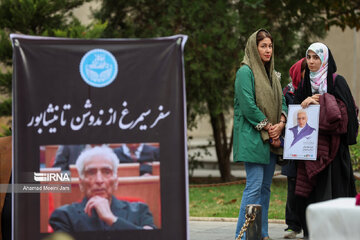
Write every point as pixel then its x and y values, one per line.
pixel 98 68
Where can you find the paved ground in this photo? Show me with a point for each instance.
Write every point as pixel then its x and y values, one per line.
pixel 215 230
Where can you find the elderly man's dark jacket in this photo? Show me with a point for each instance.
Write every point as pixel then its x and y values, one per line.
pixel 72 218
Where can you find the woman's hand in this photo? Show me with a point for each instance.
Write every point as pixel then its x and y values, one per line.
pixel 267 127
pixel 310 100
pixel 276 143
pixel 316 97
pixel 275 130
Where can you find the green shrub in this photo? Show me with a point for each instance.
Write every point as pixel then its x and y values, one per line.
pixel 355 154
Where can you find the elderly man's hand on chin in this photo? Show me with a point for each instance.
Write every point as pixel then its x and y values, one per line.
pixel 102 207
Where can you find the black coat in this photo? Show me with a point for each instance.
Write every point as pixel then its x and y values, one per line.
pixel 148 154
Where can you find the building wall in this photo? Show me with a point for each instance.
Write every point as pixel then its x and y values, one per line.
pixel 83 13
pixel 345 47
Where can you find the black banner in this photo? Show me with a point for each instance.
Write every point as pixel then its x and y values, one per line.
pixel 73 96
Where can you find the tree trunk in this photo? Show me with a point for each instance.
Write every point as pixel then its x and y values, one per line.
pixel 222 147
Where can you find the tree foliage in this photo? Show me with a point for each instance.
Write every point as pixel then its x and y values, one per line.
pixel 36 17
pixel 217 30
pixel 211 53
pixel 345 13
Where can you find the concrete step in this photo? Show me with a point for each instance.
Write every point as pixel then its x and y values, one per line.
pixel 215 173
pixel 211 165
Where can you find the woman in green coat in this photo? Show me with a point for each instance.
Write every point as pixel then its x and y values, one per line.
pixel 259 115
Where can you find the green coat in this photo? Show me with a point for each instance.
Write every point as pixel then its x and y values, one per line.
pixel 248 144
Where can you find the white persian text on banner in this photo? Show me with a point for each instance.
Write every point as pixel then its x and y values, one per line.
pixel 55 117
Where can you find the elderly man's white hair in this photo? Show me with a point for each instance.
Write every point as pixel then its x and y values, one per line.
pixel 301 111
pixel 296 114
pixel 104 151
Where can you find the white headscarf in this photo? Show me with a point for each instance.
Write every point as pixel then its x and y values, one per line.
pixel 318 79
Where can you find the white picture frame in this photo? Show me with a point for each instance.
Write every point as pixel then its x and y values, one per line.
pixel 301 132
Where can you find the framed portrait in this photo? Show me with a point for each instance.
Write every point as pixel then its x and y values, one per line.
pixel 301 134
